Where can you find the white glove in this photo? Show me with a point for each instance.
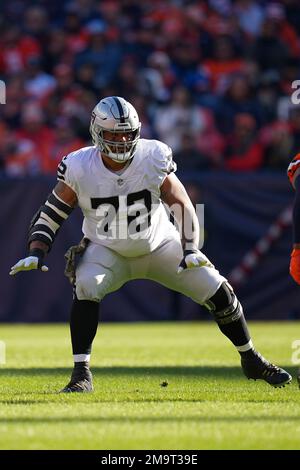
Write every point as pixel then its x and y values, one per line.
pixel 193 259
pixel 27 264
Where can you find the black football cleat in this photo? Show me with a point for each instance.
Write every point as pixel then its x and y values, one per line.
pixel 298 378
pixel 81 380
pixel 257 367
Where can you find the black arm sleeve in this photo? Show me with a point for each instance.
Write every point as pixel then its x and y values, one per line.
pixel 48 220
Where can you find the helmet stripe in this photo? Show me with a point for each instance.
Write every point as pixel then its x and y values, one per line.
pixel 120 108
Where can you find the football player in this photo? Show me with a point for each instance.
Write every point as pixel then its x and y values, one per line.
pixel 121 184
pixel 293 174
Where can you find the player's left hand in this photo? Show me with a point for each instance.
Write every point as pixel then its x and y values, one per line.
pixel 295 265
pixel 193 259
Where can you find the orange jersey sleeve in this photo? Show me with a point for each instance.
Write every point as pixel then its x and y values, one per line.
pixel 294 169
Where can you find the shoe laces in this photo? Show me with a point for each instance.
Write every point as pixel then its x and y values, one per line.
pixel 270 368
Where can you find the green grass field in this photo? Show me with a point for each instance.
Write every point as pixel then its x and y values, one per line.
pixel 208 403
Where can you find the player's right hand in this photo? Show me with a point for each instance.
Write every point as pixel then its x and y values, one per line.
pixel 27 264
pixel 295 265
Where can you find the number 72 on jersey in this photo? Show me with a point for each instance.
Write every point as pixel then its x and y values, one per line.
pixel 122 217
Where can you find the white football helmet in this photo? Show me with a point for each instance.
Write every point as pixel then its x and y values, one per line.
pixel 116 115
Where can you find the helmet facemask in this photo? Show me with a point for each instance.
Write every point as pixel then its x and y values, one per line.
pixel 118 149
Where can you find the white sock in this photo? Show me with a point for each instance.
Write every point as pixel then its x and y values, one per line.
pixel 81 357
pixel 245 347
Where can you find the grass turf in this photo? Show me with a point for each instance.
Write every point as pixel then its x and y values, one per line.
pixel 207 403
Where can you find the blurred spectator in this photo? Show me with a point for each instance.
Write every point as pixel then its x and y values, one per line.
pixel 64 142
pixel 158 78
pixel 188 158
pixel 276 15
pixel 185 60
pixel 38 84
pixel 177 118
pixel 20 157
pixel 292 12
pixel 127 78
pixel 35 131
pixel 239 98
pixel 56 50
pixel 268 92
pixel 16 49
pixel 110 12
pixel 250 16
pixel 144 112
pixel 78 109
pixel 210 142
pixel 224 63
pixel 76 36
pixel 104 55
pixel 278 143
pixel 243 152
pixel 64 93
pixel 36 23
pixel 269 50
pixel 85 77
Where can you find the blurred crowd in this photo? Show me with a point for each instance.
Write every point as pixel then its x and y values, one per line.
pixel 213 79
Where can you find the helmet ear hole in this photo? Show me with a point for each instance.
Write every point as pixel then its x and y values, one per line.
pixel 118 116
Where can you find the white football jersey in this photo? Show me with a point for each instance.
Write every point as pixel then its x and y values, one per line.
pixel 122 211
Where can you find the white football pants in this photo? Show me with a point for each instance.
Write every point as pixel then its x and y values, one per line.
pixel 102 270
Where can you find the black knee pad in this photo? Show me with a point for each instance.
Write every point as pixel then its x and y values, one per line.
pixel 224 305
